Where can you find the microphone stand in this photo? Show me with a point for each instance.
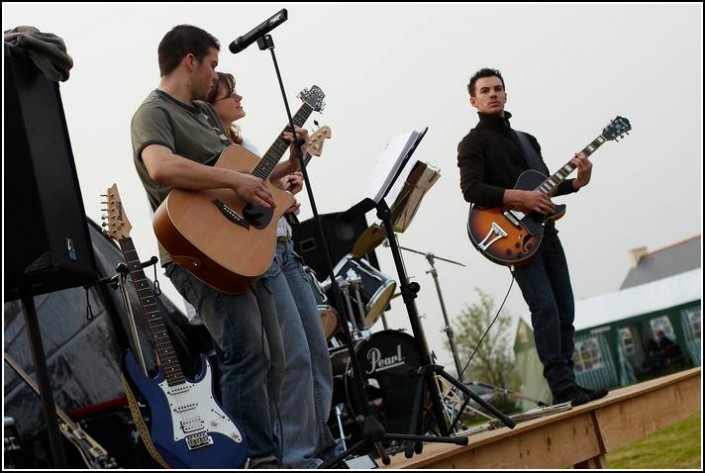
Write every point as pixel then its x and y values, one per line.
pixel 447 329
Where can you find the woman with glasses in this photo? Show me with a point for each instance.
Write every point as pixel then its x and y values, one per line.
pixel 308 379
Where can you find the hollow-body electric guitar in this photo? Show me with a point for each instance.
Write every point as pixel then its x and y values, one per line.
pixel 510 237
pixel 222 240
pixel 189 429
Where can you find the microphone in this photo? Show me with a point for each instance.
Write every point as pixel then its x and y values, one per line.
pixel 268 25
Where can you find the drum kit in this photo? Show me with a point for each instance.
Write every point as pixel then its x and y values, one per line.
pixel 366 294
pixel 388 358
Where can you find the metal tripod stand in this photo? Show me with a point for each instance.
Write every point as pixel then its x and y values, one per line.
pixel 427 372
pixel 447 329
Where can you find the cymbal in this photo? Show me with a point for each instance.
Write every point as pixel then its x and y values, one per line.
pixel 369 239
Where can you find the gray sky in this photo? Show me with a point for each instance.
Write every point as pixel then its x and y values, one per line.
pixel 569 70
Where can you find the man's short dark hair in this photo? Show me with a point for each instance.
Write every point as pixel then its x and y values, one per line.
pixel 484 72
pixel 180 41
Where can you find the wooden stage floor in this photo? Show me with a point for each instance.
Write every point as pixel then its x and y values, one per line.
pixel 578 437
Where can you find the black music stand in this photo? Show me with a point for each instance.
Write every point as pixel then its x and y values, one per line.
pixel 426 373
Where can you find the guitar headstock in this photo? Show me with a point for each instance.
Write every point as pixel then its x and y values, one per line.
pixel 115 224
pixel 315 147
pixel 314 97
pixel 617 129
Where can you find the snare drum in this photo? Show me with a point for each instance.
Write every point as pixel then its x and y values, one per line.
pixel 375 288
pixel 330 319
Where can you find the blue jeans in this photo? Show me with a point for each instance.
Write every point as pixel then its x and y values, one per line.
pixel 246 330
pixel 545 284
pixel 308 381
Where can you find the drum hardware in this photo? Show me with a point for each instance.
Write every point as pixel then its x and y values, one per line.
pixel 330 319
pixel 376 288
pixel 345 291
pixel 430 257
pixel 356 281
pixel 426 374
pixel 458 405
pixel 388 359
pixel 339 419
pixel 389 168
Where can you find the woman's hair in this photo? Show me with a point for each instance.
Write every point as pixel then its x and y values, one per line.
pixel 226 82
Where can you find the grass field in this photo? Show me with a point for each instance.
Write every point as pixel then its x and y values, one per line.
pixel 678 446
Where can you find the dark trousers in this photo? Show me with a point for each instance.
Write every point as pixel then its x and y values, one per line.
pixel 545 284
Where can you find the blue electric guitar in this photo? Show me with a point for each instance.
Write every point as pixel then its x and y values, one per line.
pixel 188 427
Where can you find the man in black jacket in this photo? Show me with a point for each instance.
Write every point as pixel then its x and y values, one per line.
pixel 491 158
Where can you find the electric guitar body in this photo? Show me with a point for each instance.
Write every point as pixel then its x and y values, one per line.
pixel 510 237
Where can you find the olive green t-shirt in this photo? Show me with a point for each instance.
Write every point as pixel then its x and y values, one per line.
pixel 194 132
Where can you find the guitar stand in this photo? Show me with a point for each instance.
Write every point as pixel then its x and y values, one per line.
pixel 115 282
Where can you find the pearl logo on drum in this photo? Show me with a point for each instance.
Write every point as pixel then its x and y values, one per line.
pixel 379 363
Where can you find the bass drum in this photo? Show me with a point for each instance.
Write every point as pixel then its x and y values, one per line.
pixel 388 360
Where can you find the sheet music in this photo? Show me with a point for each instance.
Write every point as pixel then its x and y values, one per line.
pixel 389 164
pixel 401 180
pixel 411 190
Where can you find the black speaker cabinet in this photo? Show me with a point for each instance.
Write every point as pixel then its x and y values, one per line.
pixel 47 246
pixel 340 235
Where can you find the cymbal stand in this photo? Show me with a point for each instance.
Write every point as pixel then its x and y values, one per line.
pixel 430 257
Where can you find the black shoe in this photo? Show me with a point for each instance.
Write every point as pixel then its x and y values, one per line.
pixel 594 394
pixel 573 395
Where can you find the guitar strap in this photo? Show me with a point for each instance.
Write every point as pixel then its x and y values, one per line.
pixel 141 424
pixel 215 122
pixel 530 154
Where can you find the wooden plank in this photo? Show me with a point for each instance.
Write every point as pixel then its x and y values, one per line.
pixel 655 407
pixel 579 437
pixel 534 444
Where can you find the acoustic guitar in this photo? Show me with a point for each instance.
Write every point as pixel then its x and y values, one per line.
pixel 222 240
pixel 510 237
